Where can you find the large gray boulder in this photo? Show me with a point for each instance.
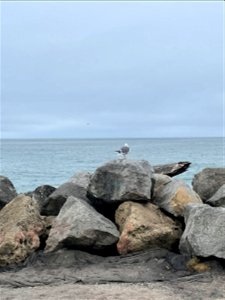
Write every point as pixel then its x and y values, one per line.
pixel 208 181
pixel 218 199
pixel 204 234
pixel 7 191
pixel 120 180
pixel 76 186
pixel 173 195
pixel 20 228
pixel 79 225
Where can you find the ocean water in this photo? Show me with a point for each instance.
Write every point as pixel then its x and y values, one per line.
pixel 31 163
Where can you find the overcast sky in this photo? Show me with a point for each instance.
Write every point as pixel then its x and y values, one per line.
pixel 112 69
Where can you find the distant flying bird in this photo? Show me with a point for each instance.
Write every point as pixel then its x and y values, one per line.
pixel 123 150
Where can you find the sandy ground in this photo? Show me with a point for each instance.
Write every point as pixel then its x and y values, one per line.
pixel 89 292
pixel 114 291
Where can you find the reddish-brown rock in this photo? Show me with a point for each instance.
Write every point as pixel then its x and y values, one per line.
pixel 144 226
pixel 20 227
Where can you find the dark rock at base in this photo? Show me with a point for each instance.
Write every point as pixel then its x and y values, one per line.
pixel 7 191
pixel 79 225
pixel 70 266
pixel 207 182
pixel 120 180
pixel 76 186
pixel 218 199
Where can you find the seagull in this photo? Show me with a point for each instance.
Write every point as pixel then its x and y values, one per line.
pixel 123 150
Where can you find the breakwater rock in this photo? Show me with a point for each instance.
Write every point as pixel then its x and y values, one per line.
pixel 20 228
pixel 207 182
pixel 7 191
pixel 123 208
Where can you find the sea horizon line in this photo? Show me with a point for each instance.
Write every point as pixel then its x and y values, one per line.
pixel 113 138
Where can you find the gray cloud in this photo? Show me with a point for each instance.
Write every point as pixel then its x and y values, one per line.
pixel 112 69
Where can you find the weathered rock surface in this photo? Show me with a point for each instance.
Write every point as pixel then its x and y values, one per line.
pixel 207 182
pixel 41 193
pixel 174 195
pixel 7 191
pixel 121 180
pixel 76 186
pixel 204 234
pixel 79 225
pixel 218 199
pixel 159 181
pixel 144 226
pixel 172 169
pixel 20 227
pixel 82 179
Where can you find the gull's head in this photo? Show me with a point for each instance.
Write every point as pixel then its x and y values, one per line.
pixel 126 145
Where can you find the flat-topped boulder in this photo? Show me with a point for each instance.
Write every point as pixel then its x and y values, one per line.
pixel 76 186
pixel 204 233
pixel 172 169
pixel 120 180
pixel 173 195
pixel 7 191
pixel 20 228
pixel 79 225
pixel 144 226
pixel 207 182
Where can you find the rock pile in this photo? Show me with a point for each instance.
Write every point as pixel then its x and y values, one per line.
pixel 147 210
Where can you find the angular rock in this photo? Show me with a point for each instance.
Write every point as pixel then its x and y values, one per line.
pixel 144 226
pixel 7 191
pixel 173 195
pixel 20 227
pixel 207 182
pixel 82 179
pixel 159 180
pixel 76 186
pixel 120 180
pixel 218 199
pixel 204 234
pixel 41 193
pixel 172 169
pixel 79 225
